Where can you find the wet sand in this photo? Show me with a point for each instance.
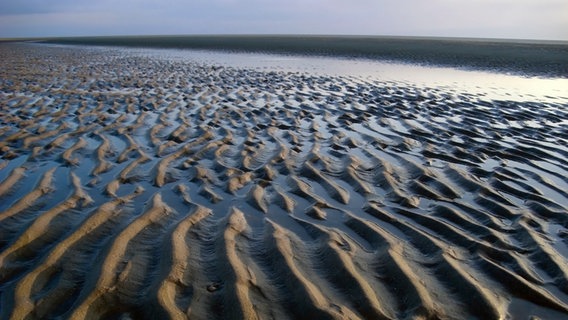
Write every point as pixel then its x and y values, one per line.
pixel 133 186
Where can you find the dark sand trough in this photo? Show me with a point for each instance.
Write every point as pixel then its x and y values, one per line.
pixel 133 187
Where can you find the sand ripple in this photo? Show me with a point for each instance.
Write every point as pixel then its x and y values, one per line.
pixel 148 188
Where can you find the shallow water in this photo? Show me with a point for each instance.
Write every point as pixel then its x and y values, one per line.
pixel 483 84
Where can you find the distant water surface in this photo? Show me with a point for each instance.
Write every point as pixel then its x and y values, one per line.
pixel 490 83
pixel 529 58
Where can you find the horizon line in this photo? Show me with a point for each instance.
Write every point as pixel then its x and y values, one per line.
pixel 421 37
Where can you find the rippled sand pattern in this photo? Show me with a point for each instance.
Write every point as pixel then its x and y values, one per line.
pixel 147 188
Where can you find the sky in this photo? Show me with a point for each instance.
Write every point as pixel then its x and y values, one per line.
pixel 507 19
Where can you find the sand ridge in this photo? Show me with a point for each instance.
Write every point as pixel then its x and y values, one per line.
pixel 142 187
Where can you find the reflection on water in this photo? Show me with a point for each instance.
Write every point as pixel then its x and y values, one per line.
pixel 489 84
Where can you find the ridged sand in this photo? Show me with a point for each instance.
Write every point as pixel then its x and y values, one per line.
pixel 137 187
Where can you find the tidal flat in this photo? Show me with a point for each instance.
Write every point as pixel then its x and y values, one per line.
pixel 150 183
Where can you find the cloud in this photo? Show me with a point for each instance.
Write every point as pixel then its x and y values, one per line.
pixel 480 18
pixel 24 7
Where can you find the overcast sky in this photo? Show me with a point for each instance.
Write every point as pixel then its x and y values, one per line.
pixel 516 19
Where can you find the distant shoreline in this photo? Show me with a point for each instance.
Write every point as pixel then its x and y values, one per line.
pixel 522 57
